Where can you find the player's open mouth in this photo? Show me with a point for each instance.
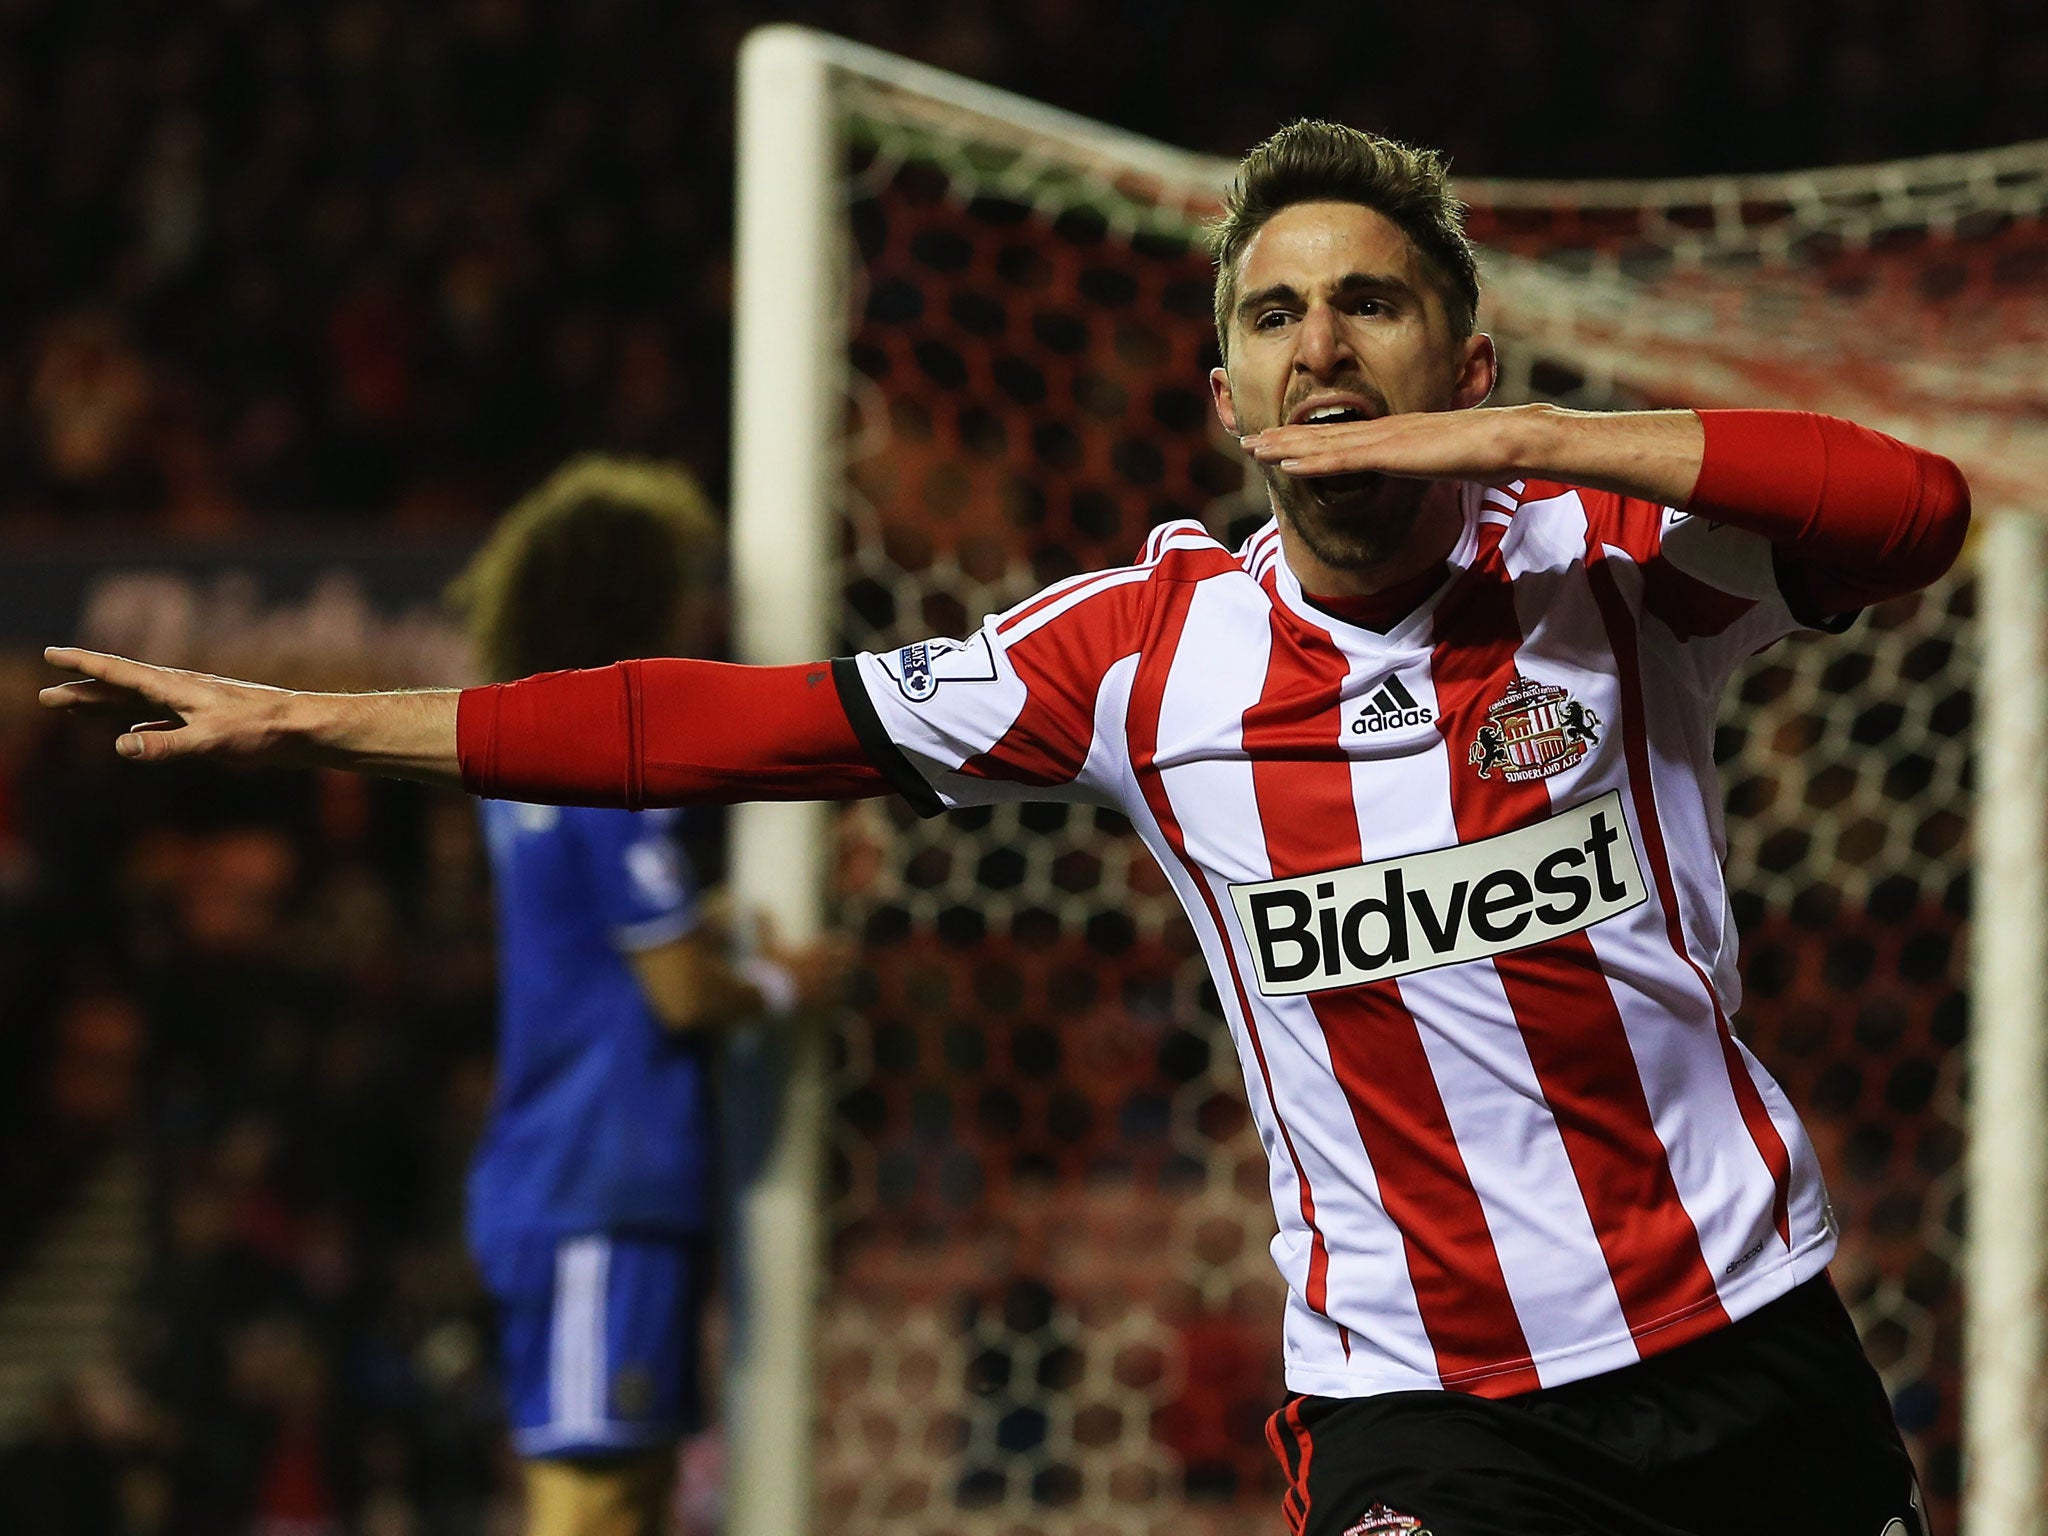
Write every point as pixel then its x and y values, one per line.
pixel 1343 490
pixel 1328 410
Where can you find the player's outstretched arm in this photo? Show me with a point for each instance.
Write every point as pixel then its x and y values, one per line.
pixel 655 732
pixel 174 713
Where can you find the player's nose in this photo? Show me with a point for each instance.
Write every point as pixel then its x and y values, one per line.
pixel 1320 350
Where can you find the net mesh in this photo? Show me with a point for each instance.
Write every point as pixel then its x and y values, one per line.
pixel 1050 1308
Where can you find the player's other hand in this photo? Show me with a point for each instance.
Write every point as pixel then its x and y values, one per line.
pixel 821 969
pixel 172 712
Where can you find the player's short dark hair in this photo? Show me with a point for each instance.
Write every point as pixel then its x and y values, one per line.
pixel 600 563
pixel 1318 162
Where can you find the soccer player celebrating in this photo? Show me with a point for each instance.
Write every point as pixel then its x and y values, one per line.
pixel 1428 763
pixel 591 1193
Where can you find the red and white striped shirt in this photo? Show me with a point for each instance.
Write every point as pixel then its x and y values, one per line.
pixel 1460 888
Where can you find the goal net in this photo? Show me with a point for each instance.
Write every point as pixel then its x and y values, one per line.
pixel 1046 1304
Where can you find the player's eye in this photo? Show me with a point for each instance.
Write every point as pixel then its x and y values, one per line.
pixel 1271 319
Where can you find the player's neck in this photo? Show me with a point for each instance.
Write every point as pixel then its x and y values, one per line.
pixel 1437 529
pixel 1381 611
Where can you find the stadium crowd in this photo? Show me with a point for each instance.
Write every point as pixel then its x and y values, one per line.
pixel 305 973
pixel 353 260
pixel 359 259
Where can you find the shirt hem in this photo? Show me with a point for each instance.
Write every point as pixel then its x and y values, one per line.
pixel 1595 1359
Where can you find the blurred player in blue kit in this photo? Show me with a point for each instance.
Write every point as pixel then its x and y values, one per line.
pixel 591 1195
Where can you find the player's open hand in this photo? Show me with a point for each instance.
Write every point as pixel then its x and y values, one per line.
pixel 1488 445
pixel 173 713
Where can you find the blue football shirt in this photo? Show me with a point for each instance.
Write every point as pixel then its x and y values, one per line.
pixel 600 1119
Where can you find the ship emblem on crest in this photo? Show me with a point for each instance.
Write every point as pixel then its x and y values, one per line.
pixel 1382 1521
pixel 1536 730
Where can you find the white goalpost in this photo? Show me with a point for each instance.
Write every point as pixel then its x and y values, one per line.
pixel 883 483
pixel 787 369
pixel 2006 1406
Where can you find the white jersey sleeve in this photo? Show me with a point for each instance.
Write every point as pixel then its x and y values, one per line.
pixel 1714 589
pixel 1028 707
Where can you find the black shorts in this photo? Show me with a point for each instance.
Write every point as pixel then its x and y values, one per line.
pixel 1774 1426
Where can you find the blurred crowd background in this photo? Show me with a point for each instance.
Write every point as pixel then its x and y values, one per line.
pixel 358 259
pixel 361 263
pixel 278 990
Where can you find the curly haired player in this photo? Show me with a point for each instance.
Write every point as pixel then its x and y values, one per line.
pixel 591 1192
pixel 1428 763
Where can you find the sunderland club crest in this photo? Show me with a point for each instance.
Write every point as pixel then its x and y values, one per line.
pixel 1382 1521
pixel 1536 729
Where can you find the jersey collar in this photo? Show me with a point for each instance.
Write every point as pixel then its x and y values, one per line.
pixel 1413 632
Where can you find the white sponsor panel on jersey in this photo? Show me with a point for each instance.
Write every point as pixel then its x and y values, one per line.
pixel 1343 927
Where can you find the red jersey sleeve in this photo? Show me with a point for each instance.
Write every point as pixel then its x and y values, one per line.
pixel 1854 516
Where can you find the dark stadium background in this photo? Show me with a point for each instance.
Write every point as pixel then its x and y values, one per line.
pixel 282 285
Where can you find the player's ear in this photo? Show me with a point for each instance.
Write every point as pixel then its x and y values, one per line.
pixel 1226 408
pixel 1478 372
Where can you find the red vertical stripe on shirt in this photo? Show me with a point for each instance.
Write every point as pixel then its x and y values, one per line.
pixel 1148 692
pixel 1562 1002
pixel 1302 777
pixel 1621 639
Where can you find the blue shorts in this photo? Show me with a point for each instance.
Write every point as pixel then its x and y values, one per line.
pixel 599 1339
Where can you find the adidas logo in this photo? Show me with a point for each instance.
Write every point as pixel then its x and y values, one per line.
pixel 1390 707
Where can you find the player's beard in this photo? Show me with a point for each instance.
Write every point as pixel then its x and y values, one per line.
pixel 1348 522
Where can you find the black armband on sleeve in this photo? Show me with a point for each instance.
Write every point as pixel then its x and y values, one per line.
pixel 887 757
